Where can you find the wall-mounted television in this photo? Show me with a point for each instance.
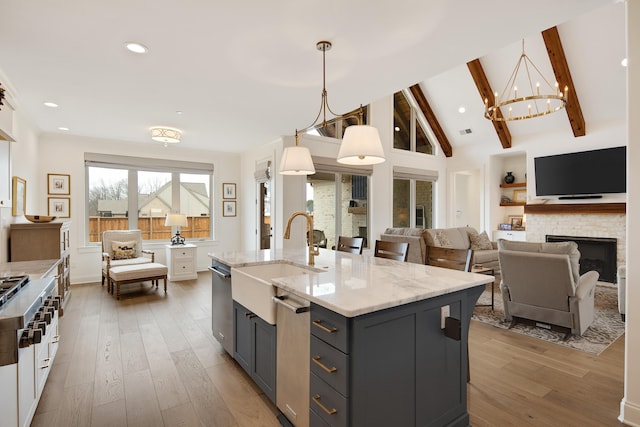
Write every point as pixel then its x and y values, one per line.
pixel 582 174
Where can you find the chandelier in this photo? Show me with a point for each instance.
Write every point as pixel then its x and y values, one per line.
pixel 531 101
pixel 360 144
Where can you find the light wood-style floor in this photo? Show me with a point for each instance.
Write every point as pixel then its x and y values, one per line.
pixel 151 360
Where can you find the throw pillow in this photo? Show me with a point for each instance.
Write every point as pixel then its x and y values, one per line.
pixel 123 250
pixel 480 241
pixel 442 239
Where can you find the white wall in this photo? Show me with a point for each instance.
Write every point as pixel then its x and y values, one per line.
pixel 24 155
pixel 630 405
pixel 65 154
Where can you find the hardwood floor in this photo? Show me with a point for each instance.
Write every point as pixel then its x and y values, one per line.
pixel 151 360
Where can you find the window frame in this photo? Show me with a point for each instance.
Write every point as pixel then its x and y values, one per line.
pixel 417 117
pixel 133 165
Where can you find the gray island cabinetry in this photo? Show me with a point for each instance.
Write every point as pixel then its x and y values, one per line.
pixel 394 367
pixel 387 340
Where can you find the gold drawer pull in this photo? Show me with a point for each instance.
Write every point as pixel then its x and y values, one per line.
pixel 319 324
pixel 316 400
pixel 316 360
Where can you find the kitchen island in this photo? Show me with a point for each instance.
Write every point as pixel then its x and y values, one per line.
pixel 388 339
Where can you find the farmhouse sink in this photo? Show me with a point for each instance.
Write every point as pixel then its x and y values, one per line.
pixel 251 286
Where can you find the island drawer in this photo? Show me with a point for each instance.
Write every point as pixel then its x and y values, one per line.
pixel 330 327
pixel 330 405
pixel 330 365
pixel 315 420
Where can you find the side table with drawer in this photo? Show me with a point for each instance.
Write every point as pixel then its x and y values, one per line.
pixel 181 262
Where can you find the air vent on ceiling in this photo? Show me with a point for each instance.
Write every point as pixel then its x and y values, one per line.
pixel 465 131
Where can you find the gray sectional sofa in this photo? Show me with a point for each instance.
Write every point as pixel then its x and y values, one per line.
pixel 458 238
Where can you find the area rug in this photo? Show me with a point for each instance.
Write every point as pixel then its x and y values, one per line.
pixel 605 329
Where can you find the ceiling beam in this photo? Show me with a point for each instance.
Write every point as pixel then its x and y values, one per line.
pixel 432 120
pixel 484 88
pixel 563 77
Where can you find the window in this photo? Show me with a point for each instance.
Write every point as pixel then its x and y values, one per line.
pixel 337 197
pixel 118 185
pixel 413 197
pixel 409 132
pixel 337 126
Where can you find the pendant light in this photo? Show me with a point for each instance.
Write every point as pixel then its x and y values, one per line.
pixel 360 145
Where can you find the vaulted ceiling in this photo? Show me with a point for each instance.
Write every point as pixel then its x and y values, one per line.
pixel 244 73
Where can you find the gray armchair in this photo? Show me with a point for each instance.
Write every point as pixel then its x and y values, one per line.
pixel 541 282
pixel 122 247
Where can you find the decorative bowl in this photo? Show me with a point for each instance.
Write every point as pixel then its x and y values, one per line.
pixel 40 218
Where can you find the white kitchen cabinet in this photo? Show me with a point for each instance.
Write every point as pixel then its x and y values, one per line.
pixel 516 235
pixel 181 262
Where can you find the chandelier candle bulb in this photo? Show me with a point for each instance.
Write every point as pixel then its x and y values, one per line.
pixel 538 88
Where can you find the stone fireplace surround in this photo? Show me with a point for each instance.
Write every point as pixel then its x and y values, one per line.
pixel 581 220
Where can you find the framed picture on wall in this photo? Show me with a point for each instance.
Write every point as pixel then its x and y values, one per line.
pixel 229 208
pixel 59 183
pixel 19 199
pixel 60 207
pixel 228 190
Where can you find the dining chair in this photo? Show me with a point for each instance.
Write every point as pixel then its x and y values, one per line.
pixel 455 259
pixel 352 245
pixel 391 250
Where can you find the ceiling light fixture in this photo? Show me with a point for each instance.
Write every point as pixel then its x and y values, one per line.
pixel 624 62
pixel 166 135
pixel 62 128
pixel 136 47
pixel 51 104
pixel 521 106
pixel 360 145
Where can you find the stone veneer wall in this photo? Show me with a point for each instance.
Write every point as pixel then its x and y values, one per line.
pixel 579 225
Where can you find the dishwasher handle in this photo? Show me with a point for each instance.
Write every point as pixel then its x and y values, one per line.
pixel 221 273
pixel 281 300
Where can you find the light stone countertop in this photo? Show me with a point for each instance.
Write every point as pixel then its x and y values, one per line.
pixel 352 285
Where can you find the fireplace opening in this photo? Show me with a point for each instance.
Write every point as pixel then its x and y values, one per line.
pixel 596 253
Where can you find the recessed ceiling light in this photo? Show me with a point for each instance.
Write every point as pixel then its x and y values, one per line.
pixel 179 112
pixel 397 129
pixel 51 104
pixel 461 110
pixel 136 47
pixel 63 128
pixel 624 62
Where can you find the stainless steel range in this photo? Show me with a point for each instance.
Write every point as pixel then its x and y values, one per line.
pixel 29 311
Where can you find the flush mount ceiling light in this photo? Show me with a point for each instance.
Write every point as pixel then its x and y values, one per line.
pixel 136 47
pixel 530 102
pixel 166 135
pixel 50 104
pixel 360 145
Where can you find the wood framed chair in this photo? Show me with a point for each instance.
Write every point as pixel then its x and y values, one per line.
pixel 352 245
pixel 455 259
pixel 391 250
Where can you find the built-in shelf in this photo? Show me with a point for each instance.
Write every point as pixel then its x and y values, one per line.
pixel 514 185
pixel 513 204
pixel 576 208
pixel 358 210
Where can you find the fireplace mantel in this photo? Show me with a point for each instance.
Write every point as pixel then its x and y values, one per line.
pixel 576 208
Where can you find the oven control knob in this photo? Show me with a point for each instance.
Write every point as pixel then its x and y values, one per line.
pixel 42 327
pixel 29 337
pixel 52 302
pixel 43 315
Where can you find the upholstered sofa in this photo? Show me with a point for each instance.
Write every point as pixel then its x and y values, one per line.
pixel 541 282
pixel 485 252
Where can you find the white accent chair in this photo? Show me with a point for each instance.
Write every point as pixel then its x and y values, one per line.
pixel 111 240
pixel 541 282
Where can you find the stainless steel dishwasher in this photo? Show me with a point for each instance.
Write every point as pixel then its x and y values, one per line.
pixel 222 305
pixel 293 342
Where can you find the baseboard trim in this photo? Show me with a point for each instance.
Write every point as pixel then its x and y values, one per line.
pixel 629 413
